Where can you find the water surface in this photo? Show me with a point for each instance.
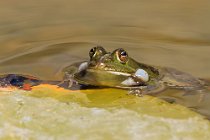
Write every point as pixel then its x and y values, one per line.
pixel 40 38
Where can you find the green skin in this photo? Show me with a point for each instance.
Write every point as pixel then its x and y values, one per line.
pixel 102 67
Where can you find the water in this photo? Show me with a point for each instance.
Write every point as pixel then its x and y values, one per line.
pixel 47 36
pixel 41 38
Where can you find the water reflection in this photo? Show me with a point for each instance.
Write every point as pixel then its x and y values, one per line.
pixel 197 100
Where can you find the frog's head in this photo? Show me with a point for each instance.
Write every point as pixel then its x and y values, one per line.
pixel 115 69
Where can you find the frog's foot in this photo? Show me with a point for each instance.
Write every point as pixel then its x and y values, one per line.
pixel 71 82
pixel 138 91
pixel 149 89
pixel 68 82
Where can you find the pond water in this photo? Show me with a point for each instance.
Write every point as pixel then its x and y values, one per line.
pixel 40 38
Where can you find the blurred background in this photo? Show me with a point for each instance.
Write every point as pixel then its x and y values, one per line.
pixel 41 37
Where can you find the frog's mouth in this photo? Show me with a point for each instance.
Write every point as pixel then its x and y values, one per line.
pixel 140 77
pixel 102 77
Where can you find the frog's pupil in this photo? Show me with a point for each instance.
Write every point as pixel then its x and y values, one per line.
pixel 123 56
pixel 92 51
pixel 123 53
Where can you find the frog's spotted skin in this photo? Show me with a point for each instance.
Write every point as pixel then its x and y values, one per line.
pixel 117 69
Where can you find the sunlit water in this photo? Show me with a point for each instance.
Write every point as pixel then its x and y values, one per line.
pixel 40 38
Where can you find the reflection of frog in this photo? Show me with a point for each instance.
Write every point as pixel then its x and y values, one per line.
pixel 117 69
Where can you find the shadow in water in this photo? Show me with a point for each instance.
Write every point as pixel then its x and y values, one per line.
pixel 196 100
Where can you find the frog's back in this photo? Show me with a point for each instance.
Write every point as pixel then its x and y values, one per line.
pixel 178 79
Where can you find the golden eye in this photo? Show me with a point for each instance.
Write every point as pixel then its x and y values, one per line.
pixel 123 56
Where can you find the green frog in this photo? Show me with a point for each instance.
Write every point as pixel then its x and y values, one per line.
pixel 116 69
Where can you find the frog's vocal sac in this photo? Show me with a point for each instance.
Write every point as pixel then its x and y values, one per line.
pixel 117 69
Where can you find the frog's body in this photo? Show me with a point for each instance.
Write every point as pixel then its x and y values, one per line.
pixel 117 69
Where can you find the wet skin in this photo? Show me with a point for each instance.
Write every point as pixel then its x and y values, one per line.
pixel 114 69
pixel 117 69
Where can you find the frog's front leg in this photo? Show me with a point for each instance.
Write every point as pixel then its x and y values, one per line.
pixel 70 71
pixel 68 81
pixel 69 78
pixel 149 89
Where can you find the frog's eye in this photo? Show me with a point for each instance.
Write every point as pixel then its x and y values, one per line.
pixel 92 52
pixel 97 52
pixel 122 56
